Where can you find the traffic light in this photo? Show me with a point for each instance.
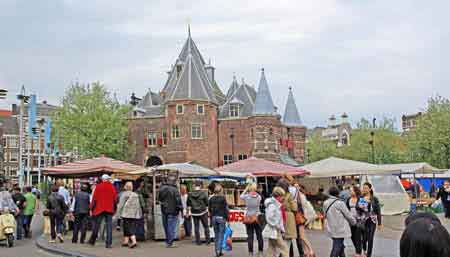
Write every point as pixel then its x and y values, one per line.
pixel 3 93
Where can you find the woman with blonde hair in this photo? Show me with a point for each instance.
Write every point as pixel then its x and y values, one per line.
pixel 252 203
pixel 130 211
pixel 290 206
pixel 275 218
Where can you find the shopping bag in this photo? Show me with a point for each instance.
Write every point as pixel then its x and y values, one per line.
pixel 46 225
pixel 227 244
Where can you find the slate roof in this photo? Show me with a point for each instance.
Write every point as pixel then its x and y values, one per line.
pixel 245 96
pixel 263 103
pixel 291 116
pixel 233 87
pixel 150 99
pixel 193 83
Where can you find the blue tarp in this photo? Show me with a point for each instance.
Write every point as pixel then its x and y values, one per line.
pixel 426 182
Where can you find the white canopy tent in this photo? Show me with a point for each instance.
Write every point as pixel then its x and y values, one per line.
pixel 421 169
pixel 387 187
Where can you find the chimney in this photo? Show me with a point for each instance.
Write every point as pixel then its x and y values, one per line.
pixel 210 71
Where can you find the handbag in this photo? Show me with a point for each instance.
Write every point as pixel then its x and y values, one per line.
pixel 300 218
pixel 46 213
pixel 250 219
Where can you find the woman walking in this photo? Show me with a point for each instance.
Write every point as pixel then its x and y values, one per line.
pixel 357 230
pixel 57 211
pixel 372 211
pixel 303 245
pixel 290 207
pixel 130 211
pixel 338 218
pixel 218 210
pixel 275 218
pixel 252 203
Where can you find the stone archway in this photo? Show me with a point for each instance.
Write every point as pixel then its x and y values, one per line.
pixel 153 161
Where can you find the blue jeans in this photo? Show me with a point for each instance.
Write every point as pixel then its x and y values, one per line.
pixel 56 225
pixel 188 226
pixel 170 227
pixel 338 249
pixel 219 229
pixel 96 227
pixel 19 226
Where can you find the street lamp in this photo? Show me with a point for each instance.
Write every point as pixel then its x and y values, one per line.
pixel 232 144
pixel 372 139
pixel 23 98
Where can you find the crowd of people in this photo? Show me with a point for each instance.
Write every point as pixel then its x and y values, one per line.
pixel 279 219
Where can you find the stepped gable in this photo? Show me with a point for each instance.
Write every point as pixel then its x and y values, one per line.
pixel 263 103
pixel 291 116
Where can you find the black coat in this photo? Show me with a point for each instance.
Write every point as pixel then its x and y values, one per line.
pixel 56 205
pixel 170 199
pixel 444 196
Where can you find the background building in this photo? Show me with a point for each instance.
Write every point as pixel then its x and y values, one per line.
pixel 339 132
pixel 191 119
pixel 409 121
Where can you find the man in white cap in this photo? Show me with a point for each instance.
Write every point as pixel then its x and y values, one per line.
pixel 103 206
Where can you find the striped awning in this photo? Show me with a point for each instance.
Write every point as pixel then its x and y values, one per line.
pixel 261 168
pixel 90 168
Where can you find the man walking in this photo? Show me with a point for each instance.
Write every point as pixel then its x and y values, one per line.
pixel 197 201
pixel 28 211
pixel 80 209
pixel 444 195
pixel 103 206
pixel 170 200
pixel 20 201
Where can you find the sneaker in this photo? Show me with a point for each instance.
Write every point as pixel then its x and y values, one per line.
pixel 60 238
pixel 52 241
pixel 172 246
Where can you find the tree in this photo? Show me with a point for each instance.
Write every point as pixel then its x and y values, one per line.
pixel 91 121
pixel 389 146
pixel 430 141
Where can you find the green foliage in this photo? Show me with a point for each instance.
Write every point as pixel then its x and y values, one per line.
pixel 430 141
pixel 91 121
pixel 389 146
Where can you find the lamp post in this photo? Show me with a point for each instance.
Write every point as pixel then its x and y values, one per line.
pixel 23 99
pixel 372 139
pixel 41 130
pixel 232 144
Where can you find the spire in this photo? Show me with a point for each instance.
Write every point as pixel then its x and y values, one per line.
pixel 291 116
pixel 233 87
pixel 189 30
pixel 263 103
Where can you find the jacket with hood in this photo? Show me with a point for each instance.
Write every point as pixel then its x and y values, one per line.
pixel 198 201
pixel 170 200
pixel 274 219
pixel 252 202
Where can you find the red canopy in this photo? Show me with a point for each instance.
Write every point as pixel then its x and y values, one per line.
pixel 262 168
pixel 90 168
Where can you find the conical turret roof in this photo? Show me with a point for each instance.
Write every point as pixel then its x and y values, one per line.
pixel 291 116
pixel 263 103
pixel 233 87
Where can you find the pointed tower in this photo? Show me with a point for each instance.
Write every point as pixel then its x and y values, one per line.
pixel 291 116
pixel 233 87
pixel 263 103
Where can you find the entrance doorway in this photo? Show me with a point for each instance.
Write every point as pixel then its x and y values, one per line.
pixel 153 161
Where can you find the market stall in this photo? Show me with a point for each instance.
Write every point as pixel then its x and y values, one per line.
pixel 337 171
pixel 265 173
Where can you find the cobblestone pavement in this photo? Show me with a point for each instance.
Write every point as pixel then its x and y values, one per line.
pixel 386 245
pixel 26 247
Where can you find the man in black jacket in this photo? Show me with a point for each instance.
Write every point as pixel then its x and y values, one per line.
pixel 444 195
pixel 170 200
pixel 19 200
pixel 197 201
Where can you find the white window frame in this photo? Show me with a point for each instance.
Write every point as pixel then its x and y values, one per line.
pixel 234 113
pixel 203 109
pixel 152 138
pixel 227 159
pixel 182 109
pixel 11 155
pixel 200 130
pixel 173 129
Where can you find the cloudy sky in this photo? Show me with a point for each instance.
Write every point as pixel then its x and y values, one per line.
pixel 366 58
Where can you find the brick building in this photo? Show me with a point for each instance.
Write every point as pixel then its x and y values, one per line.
pixel 191 119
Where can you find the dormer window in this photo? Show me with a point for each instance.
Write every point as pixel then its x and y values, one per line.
pixel 234 110
pixel 200 109
pixel 180 109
